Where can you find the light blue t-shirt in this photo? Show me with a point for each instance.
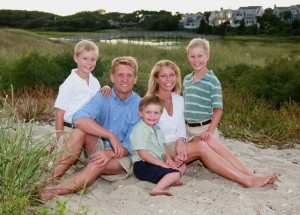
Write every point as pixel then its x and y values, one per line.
pixel 113 114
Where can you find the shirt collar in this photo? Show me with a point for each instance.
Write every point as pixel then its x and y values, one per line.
pixel 115 97
pixel 77 77
pixel 206 76
pixel 149 128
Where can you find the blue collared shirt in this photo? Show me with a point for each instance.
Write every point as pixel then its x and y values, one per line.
pixel 113 114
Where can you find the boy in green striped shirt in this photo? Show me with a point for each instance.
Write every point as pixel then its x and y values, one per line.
pixel 202 93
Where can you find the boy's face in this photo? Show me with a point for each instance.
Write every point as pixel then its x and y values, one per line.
pixel 151 114
pixel 198 58
pixel 123 79
pixel 166 79
pixel 86 62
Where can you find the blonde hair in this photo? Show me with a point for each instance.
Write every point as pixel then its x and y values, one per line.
pixel 125 60
pixel 85 45
pixel 153 86
pixel 150 99
pixel 198 42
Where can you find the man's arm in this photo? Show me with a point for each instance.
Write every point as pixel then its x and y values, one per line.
pixel 91 127
pixel 84 120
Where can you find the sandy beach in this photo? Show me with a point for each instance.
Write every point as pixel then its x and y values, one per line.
pixel 203 192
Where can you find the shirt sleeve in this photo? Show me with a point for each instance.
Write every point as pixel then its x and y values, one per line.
pixel 63 98
pixel 91 109
pixel 137 138
pixel 216 95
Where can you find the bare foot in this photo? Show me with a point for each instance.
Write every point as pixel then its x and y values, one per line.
pixel 157 192
pixel 47 195
pixel 259 181
pixel 275 176
pixel 177 183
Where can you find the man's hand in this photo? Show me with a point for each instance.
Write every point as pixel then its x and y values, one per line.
pixel 117 146
pixel 101 158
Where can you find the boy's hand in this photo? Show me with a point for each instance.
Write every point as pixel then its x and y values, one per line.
pixel 206 135
pixel 171 164
pixel 165 165
pixel 106 91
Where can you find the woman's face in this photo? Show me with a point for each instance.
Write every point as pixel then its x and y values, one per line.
pixel 166 79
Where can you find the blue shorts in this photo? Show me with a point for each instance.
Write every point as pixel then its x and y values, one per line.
pixel 149 172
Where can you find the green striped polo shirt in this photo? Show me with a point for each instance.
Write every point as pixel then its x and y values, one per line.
pixel 201 97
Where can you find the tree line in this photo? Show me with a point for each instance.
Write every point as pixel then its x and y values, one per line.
pixel 93 21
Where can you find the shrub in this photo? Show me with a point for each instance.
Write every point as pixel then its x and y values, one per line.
pixel 33 69
pixel 278 81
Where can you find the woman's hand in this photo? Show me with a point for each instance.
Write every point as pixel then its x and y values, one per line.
pixel 181 152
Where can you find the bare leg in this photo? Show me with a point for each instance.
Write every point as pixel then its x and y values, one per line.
pixel 226 154
pixel 182 170
pixel 70 153
pixel 90 144
pixel 215 162
pixel 82 179
pixel 166 181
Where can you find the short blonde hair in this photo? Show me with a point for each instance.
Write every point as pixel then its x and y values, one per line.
pixel 125 60
pixel 150 99
pixel 153 86
pixel 85 45
pixel 198 42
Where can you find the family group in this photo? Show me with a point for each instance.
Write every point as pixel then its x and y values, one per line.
pixel 118 133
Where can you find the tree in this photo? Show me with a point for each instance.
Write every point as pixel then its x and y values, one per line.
pixel 287 15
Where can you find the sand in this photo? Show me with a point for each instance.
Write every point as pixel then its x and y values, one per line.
pixel 203 192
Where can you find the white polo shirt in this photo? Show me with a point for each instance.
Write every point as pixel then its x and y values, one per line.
pixel 74 93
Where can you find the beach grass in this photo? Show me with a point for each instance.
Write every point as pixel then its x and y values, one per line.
pixel 22 163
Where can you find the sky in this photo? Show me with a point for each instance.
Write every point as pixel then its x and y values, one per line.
pixel 70 7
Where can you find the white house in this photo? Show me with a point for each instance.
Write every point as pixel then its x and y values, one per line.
pixel 218 17
pixel 294 9
pixel 234 17
pixel 248 14
pixel 191 21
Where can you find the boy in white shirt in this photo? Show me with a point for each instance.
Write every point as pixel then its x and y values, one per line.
pixel 79 87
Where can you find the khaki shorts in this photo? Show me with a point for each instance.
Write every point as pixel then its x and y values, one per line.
pixel 191 132
pixel 125 162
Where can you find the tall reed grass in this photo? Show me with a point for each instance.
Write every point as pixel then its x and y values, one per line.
pixel 22 161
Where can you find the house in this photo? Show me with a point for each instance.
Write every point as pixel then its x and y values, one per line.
pixel 248 14
pixel 191 21
pixel 234 17
pixel 218 17
pixel 294 12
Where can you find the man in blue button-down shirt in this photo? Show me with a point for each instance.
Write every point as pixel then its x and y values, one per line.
pixel 112 119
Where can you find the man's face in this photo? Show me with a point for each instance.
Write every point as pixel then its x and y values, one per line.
pixel 123 79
